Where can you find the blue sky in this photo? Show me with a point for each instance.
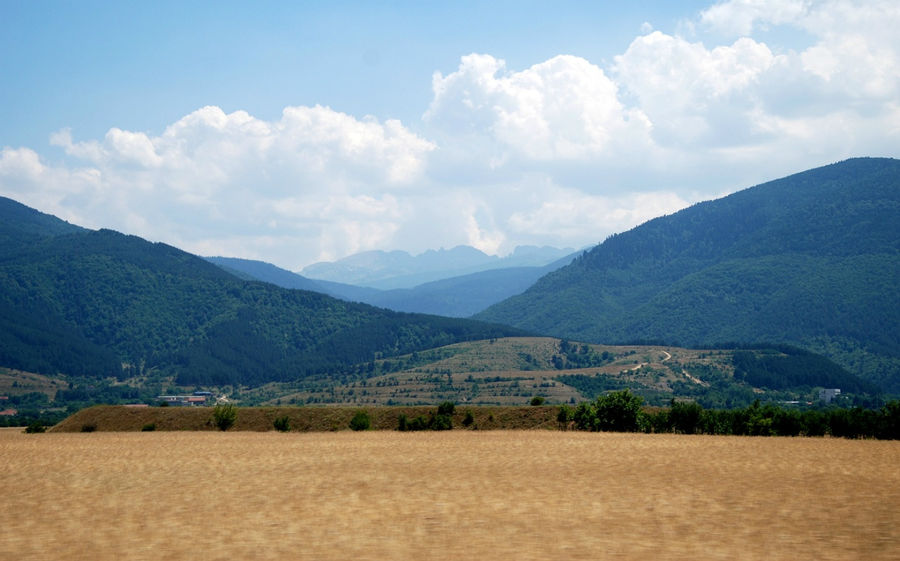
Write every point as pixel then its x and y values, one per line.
pixel 298 132
pixel 90 65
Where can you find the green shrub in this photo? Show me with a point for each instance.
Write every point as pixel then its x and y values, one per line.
pixel 360 421
pixel 537 400
pixel 149 427
pixel 224 416
pixel 35 427
pixel 446 408
pixel 282 424
pixel 441 422
pixel 469 419
pixel 616 411
pixel 563 417
pixel 419 423
pixel 684 417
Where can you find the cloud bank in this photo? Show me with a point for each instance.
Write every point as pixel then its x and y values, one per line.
pixel 564 152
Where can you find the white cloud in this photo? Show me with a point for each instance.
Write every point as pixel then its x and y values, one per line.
pixel 232 173
pixel 693 95
pixel 856 50
pixel 740 17
pixel 568 213
pixel 563 109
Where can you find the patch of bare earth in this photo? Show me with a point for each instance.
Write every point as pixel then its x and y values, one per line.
pixel 480 495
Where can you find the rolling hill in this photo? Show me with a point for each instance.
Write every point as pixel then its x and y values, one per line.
pixel 100 303
pixel 811 260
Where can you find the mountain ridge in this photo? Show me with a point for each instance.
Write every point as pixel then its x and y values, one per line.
pixel 812 259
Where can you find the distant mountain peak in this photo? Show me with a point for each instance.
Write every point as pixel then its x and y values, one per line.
pixel 399 269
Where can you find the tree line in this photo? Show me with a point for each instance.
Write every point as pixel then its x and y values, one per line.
pixel 622 411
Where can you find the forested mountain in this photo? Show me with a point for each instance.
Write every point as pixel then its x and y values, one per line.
pixel 86 302
pixel 812 260
pixel 387 270
pixel 454 297
pixel 20 223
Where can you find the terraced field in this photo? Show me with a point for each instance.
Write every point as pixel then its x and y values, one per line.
pixel 459 494
pixel 506 371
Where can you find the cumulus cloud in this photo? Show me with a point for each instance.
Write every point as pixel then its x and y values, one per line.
pixel 563 109
pixel 693 95
pixel 212 171
pixel 564 152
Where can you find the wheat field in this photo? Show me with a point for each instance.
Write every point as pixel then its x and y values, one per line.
pixel 454 495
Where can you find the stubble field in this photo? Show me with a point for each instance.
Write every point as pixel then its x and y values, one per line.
pixel 479 495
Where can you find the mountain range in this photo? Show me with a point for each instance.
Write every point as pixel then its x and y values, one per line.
pixel 812 260
pixel 456 296
pixel 387 270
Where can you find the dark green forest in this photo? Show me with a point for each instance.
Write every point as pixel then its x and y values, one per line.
pixel 811 260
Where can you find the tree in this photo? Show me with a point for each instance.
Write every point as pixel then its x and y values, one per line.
pixel 224 415
pixel 616 411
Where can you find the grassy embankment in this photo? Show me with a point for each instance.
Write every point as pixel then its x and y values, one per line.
pixel 106 418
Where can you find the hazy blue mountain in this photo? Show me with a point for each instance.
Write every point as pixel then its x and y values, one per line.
pixel 249 269
pixel 398 269
pixel 812 260
pixel 460 296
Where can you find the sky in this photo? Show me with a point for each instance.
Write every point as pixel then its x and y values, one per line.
pixel 298 132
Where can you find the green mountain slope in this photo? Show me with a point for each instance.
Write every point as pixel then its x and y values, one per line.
pixel 87 302
pixel 19 223
pixel 812 259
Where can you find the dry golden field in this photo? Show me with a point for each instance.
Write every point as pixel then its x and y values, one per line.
pixel 451 495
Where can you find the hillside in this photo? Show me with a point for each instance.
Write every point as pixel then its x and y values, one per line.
pixel 512 370
pixel 812 260
pixel 88 302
